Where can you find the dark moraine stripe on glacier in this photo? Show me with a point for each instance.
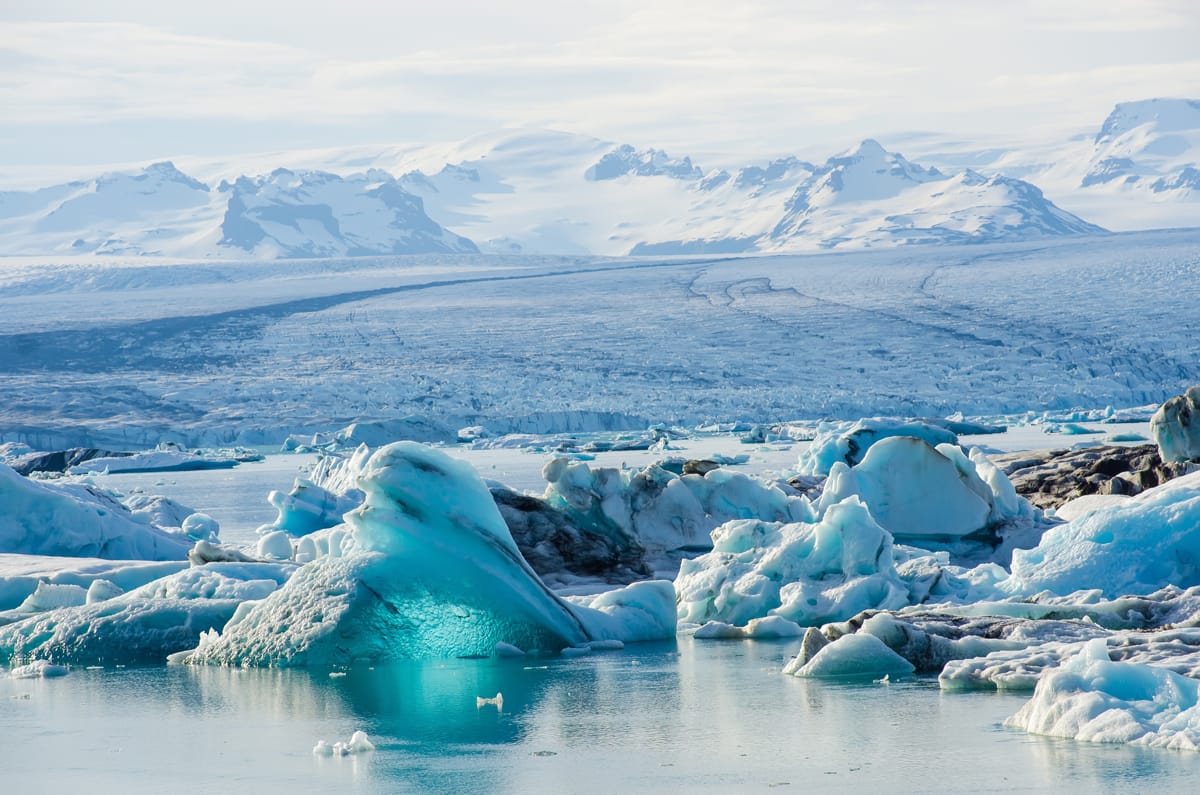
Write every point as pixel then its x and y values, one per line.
pixel 169 342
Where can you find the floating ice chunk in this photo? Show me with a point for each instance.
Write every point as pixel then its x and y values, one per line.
pixel 143 625
pixel 208 552
pixel 640 611
pixel 860 654
pixel 761 628
pixel 276 545
pixel 1093 699
pixel 21 574
pixel 719 630
pixel 806 573
pixel 76 520
pixel 848 442
pixel 153 461
pixel 102 590
pixel 360 743
pixel 306 550
pixel 48 597
pixel 38 669
pixel 660 510
pixel 1135 546
pixel 309 507
pixel 357 744
pixel 497 701
pixel 913 489
pixel 1176 427
pixel 201 527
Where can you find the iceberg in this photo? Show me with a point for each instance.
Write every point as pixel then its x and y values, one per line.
pixel 1093 699
pixel 848 442
pixel 77 520
pixel 851 656
pixel 660 510
pixel 142 626
pixel 1133 546
pixel 914 489
pixel 1176 427
pixel 162 460
pixel 842 559
pixel 433 572
pixel 806 572
pixel 22 575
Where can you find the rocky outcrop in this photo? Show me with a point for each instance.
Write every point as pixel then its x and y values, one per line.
pixel 1176 427
pixel 555 545
pixel 1048 478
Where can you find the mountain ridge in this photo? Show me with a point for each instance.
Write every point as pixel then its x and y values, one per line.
pixel 550 192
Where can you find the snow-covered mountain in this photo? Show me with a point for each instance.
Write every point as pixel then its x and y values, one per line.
pixel 871 196
pixel 547 192
pixel 1139 169
pixel 160 210
pixel 318 214
pixel 1152 145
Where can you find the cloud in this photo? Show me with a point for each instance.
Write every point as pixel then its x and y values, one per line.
pixel 697 73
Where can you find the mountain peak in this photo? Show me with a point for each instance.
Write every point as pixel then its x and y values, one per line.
pixel 624 159
pixel 869 148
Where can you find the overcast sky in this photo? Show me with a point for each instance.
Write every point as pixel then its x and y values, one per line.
pixel 146 79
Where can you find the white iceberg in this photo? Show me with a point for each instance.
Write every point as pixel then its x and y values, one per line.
pixel 914 489
pixel 1133 546
pixel 662 511
pixel 1176 427
pixel 1093 699
pixel 144 625
pixel 806 572
pixel 851 656
pixel 76 520
pixel 21 575
pixel 434 572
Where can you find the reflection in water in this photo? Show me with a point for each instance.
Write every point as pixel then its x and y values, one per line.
pixel 697 717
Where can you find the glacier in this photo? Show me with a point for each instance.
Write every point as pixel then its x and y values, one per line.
pixel 108 354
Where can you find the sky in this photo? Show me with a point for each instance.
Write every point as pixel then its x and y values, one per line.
pixel 141 80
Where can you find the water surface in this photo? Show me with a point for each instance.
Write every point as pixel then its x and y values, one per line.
pixel 694 716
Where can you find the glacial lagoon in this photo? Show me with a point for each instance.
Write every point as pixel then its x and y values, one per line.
pixel 695 715
pixel 698 716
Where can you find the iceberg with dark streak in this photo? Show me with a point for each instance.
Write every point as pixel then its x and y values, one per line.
pixel 434 572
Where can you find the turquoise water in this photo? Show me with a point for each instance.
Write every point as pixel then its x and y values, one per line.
pixel 694 716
